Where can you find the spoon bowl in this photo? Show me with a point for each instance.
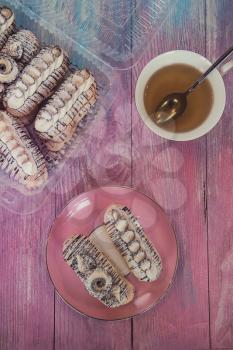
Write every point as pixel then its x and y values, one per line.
pixel 170 108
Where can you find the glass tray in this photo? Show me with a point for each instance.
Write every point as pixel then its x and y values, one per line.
pixel 101 35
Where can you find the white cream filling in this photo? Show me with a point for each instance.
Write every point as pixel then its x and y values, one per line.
pixel 7 24
pixel 18 152
pixel 16 101
pixel 42 123
pixel 28 166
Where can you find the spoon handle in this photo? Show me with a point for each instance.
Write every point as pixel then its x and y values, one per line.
pixel 212 67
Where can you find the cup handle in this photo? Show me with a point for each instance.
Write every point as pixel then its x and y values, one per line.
pixel 226 67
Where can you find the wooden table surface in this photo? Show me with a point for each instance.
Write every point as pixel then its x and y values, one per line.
pixel 192 181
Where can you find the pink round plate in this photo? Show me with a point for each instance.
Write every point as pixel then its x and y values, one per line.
pixel 81 216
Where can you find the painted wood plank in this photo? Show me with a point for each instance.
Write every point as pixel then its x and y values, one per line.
pixel 181 320
pixel 174 174
pixel 26 293
pixel 220 192
pixel 105 158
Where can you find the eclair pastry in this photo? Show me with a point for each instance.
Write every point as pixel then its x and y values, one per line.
pixel 99 276
pixel 7 24
pixel 22 47
pixel 19 156
pixel 57 121
pixel 129 237
pixel 36 82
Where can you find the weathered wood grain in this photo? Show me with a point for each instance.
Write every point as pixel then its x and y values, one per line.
pixel 220 190
pixel 174 174
pixel 105 158
pixel 26 294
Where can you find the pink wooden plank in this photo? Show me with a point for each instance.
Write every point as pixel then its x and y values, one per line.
pixel 104 158
pixel 26 294
pixel 174 174
pixel 220 191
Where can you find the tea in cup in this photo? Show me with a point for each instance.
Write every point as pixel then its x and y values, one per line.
pixel 175 71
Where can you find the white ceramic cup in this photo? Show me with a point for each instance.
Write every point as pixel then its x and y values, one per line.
pixel 202 64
